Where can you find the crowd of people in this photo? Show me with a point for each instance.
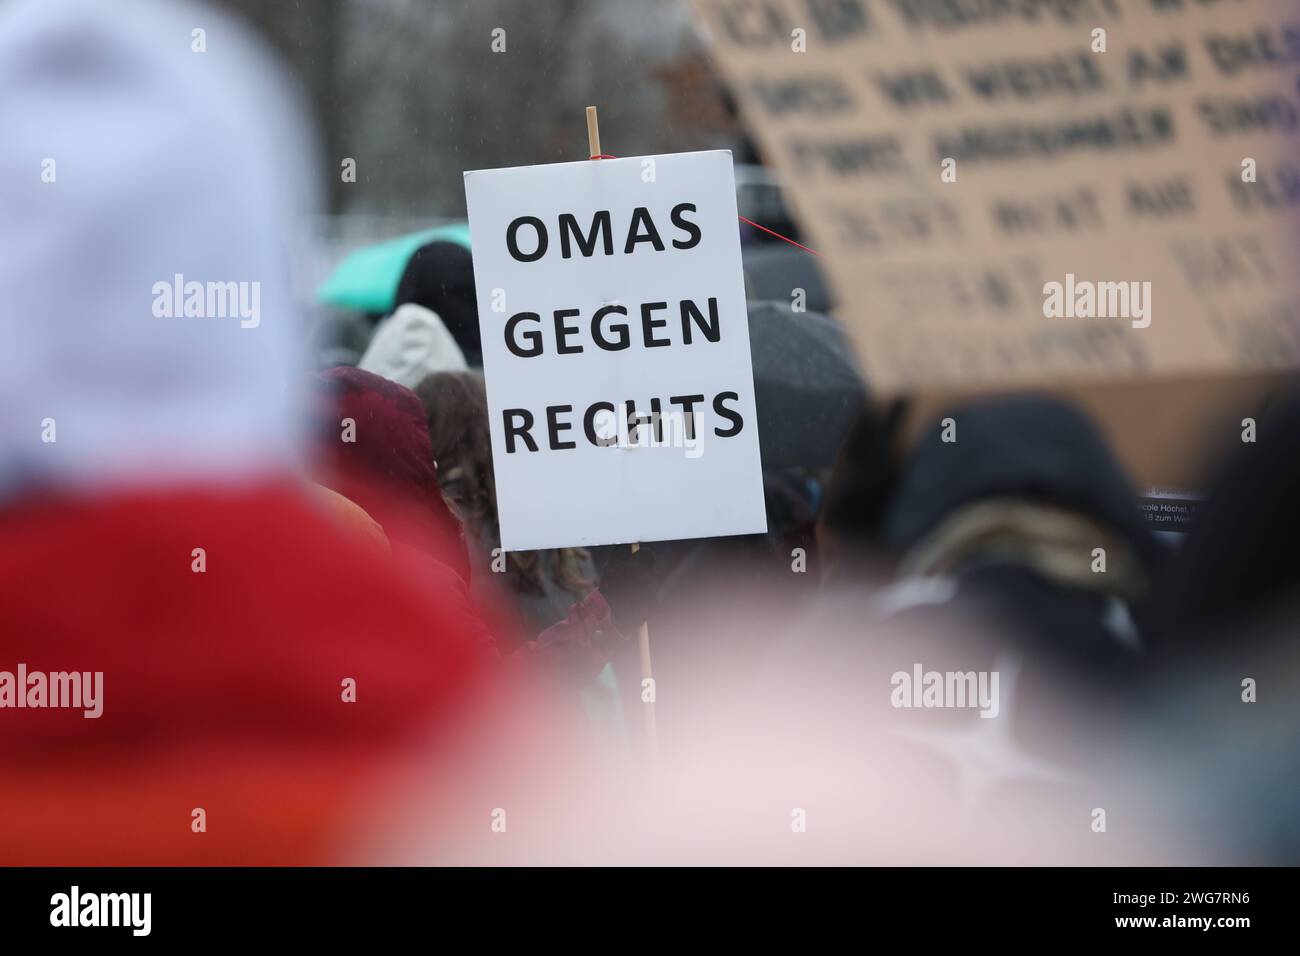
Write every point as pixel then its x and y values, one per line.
pixel 292 578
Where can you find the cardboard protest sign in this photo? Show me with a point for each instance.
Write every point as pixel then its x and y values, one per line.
pixel 616 350
pixel 1019 193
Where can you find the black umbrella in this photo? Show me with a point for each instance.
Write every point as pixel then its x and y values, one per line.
pixel 773 270
pixel 807 386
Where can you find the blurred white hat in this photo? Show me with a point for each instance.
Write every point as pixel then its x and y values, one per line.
pixel 147 145
pixel 411 343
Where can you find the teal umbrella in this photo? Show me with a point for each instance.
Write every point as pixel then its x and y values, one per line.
pixel 366 280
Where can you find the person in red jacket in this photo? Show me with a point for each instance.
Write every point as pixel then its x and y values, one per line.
pixel 373 448
pixel 253 661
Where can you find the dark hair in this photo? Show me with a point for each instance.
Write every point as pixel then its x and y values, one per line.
pixel 455 411
pixel 455 407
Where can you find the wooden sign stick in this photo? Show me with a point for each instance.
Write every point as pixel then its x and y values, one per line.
pixel 647 706
pixel 643 633
pixel 593 133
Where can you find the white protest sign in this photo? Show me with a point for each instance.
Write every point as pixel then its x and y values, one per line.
pixel 616 350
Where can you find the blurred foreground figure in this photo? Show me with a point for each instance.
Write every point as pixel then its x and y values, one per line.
pixel 250 659
pixel 1239 564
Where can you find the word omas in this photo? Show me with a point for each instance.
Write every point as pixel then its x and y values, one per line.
pixel 1098 300
pixel 103 909
pixel 77 690
pixel 208 300
pixel 641 228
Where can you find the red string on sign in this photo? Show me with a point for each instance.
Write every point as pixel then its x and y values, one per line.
pixel 779 236
pixel 770 232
